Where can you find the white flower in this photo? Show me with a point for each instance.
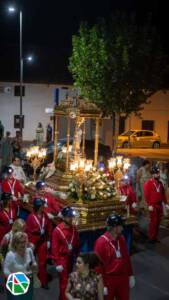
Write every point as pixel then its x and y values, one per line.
pixel 73 190
pixel 111 182
pixel 88 287
pixel 93 196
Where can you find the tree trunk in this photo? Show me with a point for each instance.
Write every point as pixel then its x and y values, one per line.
pixel 107 132
pixel 115 131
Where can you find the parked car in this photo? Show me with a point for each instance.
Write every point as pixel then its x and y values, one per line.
pixel 103 150
pixel 139 139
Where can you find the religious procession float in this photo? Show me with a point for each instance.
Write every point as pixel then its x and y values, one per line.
pixel 91 188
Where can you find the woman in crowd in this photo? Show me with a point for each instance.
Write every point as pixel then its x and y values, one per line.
pixel 143 174
pixel 5 245
pixel 84 283
pixel 20 259
pixel 164 178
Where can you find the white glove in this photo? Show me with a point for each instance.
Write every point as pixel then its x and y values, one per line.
pixel 105 291
pixel 150 208
pixel 123 198
pixel 167 206
pixel 134 205
pixel 48 244
pixel 50 216
pixel 132 281
pixel 25 198
pixel 14 198
pixel 59 268
pixel 60 215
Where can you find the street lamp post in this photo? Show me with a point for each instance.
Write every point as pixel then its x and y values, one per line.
pixel 21 73
pixel 12 9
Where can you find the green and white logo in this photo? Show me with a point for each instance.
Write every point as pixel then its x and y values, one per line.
pixel 18 283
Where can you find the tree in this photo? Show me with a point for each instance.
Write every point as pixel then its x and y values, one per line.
pixel 118 64
pixel 88 62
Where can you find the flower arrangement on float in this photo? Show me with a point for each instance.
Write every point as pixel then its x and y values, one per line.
pixel 94 186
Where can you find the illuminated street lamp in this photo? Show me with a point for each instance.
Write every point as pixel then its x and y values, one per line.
pixel 11 10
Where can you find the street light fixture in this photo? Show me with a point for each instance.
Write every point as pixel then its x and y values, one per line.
pixel 29 58
pixel 12 9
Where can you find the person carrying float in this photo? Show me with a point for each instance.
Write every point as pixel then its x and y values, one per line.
pixel 65 247
pixel 157 204
pixel 38 228
pixel 8 214
pixel 116 267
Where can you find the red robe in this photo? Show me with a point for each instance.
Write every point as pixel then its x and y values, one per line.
pixel 115 270
pixel 5 223
pixel 151 193
pixel 52 204
pixel 34 227
pixel 154 196
pixel 15 188
pixel 62 236
pixel 127 190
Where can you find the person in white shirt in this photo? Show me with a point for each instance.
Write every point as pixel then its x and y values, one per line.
pixel 20 259
pixel 18 172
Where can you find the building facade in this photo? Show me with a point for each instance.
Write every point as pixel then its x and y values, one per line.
pixel 154 116
pixel 38 99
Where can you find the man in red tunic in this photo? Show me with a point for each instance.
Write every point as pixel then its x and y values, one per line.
pixel 13 186
pixel 116 266
pixel 52 204
pixel 129 196
pixel 8 214
pixel 38 228
pixel 65 246
pixel 156 200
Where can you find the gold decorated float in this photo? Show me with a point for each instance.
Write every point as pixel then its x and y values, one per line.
pixel 93 191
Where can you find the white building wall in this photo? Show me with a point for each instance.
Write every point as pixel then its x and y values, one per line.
pixel 40 96
pixel 158 111
pixel 37 98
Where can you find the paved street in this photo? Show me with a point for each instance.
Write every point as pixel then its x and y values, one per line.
pixel 152 271
pixel 161 154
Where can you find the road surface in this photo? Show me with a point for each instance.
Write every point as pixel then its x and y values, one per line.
pixel 159 154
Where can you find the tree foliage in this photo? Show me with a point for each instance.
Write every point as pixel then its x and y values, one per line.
pixel 118 63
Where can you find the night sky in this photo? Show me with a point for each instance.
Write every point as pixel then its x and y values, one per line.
pixel 48 27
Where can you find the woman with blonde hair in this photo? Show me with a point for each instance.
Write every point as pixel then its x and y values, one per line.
pixel 20 259
pixel 5 245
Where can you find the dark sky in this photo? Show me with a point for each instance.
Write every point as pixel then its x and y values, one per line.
pixel 47 32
